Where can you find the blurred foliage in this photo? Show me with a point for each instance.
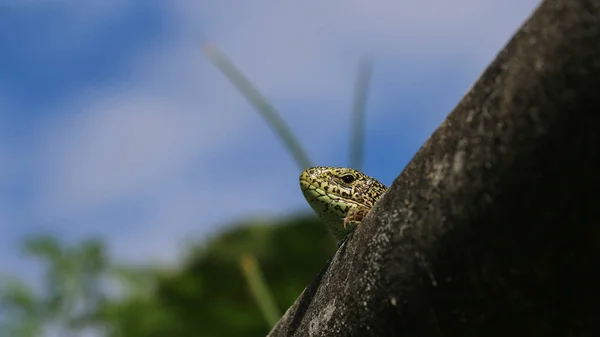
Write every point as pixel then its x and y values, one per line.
pixel 70 289
pixel 206 296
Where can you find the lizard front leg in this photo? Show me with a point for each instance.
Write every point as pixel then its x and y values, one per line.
pixel 354 217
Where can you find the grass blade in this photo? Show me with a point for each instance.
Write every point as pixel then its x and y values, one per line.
pixel 259 288
pixel 273 117
pixel 357 135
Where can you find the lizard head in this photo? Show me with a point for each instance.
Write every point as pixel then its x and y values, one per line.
pixel 333 191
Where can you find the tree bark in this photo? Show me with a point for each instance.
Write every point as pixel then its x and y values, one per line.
pixel 493 228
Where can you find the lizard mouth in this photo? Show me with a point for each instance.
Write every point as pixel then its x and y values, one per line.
pixel 311 191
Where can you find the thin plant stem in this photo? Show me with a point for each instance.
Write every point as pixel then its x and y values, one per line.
pixel 259 289
pixel 266 109
pixel 357 135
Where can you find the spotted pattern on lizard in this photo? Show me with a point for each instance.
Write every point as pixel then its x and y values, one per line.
pixel 341 197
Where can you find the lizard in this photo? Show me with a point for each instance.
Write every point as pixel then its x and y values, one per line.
pixel 340 196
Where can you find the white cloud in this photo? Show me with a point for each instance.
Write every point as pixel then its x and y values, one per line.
pixel 305 31
pixel 124 141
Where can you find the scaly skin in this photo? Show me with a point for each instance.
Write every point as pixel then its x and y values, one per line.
pixel 341 197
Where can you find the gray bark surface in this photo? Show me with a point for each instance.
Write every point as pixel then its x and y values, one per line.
pixel 493 227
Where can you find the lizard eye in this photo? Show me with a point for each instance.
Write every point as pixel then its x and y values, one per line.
pixel 348 178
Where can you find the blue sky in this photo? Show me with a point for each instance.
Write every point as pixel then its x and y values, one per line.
pixel 113 123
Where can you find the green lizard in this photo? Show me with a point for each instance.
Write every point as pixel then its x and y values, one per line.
pixel 341 197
